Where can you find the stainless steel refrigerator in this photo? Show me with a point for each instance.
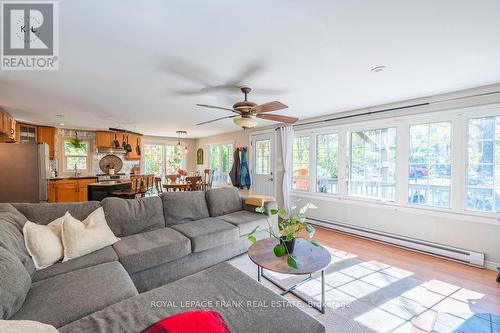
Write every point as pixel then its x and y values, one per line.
pixel 24 170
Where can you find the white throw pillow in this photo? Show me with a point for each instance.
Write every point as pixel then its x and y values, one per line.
pixel 89 235
pixel 43 242
pixel 25 326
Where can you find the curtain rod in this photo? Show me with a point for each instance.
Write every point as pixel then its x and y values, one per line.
pixel 391 109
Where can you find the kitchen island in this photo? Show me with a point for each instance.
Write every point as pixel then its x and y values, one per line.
pixel 101 190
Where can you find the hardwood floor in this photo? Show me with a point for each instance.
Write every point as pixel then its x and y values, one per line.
pixel 480 282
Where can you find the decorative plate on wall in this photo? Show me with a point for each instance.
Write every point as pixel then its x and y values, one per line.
pixel 110 162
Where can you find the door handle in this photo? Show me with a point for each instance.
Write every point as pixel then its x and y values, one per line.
pixel 271 179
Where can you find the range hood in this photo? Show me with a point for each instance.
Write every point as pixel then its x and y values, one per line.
pixel 102 150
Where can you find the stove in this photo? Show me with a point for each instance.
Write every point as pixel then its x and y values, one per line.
pixel 104 177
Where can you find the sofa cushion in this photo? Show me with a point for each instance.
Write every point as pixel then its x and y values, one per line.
pixel 14 284
pixel 132 216
pixel 44 213
pixel 152 248
pixel 223 201
pixel 101 256
pixel 208 233
pixel 67 297
pixel 12 239
pixel 182 207
pixel 261 309
pixel 17 218
pixel 246 221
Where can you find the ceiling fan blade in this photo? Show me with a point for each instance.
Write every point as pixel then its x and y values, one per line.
pixel 277 117
pixel 268 107
pixel 213 120
pixel 217 107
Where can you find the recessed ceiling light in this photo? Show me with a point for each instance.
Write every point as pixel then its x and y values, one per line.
pixel 61 124
pixel 378 69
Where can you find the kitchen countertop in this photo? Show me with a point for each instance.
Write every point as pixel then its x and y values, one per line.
pixel 111 183
pixel 70 177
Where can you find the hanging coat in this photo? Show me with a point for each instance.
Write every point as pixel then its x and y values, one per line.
pixel 234 174
pixel 245 174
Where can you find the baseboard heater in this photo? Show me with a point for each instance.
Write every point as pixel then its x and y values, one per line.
pixel 417 245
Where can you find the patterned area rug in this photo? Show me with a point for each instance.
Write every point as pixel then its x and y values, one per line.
pixel 369 296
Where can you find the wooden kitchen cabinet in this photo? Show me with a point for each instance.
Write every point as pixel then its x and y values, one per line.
pixel 104 139
pixel 83 188
pixel 7 127
pixel 69 190
pixel 26 133
pixel 134 140
pixel 47 135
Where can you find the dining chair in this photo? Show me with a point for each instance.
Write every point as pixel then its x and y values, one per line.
pixel 194 183
pixel 208 178
pixel 135 189
pixel 158 185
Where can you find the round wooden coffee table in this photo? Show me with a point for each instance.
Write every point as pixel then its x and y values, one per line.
pixel 311 259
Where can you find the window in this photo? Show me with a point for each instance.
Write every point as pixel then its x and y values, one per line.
pixel 483 167
pixel 76 156
pixel 373 163
pixel 221 161
pixel 161 159
pixel 263 157
pixel 300 163
pixel 327 163
pixel 429 171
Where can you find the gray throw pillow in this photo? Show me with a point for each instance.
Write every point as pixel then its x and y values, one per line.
pixel 222 201
pixel 131 216
pixel 15 283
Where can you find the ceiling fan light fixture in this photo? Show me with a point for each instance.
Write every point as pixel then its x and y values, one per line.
pixel 245 122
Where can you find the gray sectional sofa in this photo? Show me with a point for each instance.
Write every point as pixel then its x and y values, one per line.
pixel 169 260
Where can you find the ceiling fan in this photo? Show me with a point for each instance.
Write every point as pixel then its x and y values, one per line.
pixel 247 111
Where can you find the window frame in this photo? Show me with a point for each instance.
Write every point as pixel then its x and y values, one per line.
pixel 89 157
pixel 452 122
pixel 315 159
pixel 349 161
pixel 310 176
pixel 219 164
pixel 459 118
pixel 485 113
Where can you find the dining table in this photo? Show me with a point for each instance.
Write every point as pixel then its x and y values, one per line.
pixel 182 186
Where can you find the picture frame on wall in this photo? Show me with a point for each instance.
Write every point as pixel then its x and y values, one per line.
pixel 199 156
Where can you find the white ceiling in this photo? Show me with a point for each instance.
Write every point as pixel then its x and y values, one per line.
pixel 127 62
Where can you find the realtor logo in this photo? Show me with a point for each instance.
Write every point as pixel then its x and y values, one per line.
pixel 30 32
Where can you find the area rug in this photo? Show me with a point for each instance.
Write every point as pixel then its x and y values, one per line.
pixel 370 296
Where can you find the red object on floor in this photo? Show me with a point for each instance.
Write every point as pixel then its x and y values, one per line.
pixel 191 322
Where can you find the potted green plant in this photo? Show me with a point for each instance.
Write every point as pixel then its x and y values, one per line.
pixel 290 228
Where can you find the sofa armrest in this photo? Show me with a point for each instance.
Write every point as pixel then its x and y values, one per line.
pixel 268 205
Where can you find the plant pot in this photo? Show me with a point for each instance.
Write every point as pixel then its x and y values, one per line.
pixel 290 244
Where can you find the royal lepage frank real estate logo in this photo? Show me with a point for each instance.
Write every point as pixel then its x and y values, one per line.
pixel 30 35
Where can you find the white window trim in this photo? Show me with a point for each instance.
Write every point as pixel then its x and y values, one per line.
pixel 219 144
pixel 459 158
pixel 314 159
pixel 64 171
pixel 162 143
